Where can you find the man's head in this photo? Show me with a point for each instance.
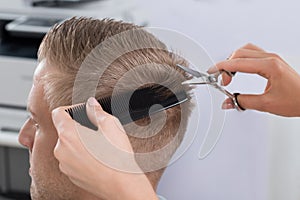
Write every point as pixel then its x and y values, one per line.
pixel 62 54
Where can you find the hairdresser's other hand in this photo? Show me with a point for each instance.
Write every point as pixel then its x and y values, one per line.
pixel 87 172
pixel 282 93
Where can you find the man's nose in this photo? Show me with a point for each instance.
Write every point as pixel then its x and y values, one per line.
pixel 26 135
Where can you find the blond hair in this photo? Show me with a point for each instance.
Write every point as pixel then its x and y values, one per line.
pixel 67 47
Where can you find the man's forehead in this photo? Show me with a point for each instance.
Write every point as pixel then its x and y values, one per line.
pixel 36 91
pixel 39 72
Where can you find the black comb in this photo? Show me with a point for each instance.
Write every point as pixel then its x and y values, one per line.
pixel 140 102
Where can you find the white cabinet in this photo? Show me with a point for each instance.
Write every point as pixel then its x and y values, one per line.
pixel 16 79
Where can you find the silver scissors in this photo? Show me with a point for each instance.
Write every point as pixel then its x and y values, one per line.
pixel 213 80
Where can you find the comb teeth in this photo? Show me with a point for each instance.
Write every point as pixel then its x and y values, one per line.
pixel 79 114
pixel 140 102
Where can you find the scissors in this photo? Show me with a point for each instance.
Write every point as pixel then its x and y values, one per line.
pixel 213 80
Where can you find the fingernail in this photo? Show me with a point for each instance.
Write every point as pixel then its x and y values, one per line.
pixel 92 102
pixel 211 69
pixel 227 106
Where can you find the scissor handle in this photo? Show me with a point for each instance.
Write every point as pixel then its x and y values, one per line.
pixel 229 73
pixel 233 97
pixel 214 78
pixel 236 102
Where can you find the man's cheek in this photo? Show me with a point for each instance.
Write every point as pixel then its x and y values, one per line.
pixel 47 136
pixel 42 153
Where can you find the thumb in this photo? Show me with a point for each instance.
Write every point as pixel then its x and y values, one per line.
pixel 62 121
pixel 102 119
pixel 95 112
pixel 250 101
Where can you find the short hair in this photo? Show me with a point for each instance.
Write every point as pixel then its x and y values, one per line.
pixel 67 45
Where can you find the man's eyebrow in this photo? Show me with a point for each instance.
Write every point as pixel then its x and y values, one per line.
pixel 30 111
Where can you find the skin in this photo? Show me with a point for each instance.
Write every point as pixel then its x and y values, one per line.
pixel 110 183
pixel 278 98
pixel 39 135
pixel 49 179
pixel 282 92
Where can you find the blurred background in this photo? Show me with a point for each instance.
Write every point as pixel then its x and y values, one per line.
pixel 257 156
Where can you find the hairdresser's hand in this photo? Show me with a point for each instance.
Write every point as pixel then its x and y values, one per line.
pixel 282 92
pixel 87 172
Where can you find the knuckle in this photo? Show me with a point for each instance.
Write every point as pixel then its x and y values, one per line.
pixel 97 109
pixel 248 45
pixel 105 120
pixel 64 136
pixel 60 126
pixel 60 153
pixel 57 154
pixel 237 53
pixel 276 65
pixel 62 168
pixel 274 61
pixel 111 118
pixel 111 121
pixel 274 55
pixel 238 61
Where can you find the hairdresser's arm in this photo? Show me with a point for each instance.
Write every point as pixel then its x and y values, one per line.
pixel 87 172
pixel 282 92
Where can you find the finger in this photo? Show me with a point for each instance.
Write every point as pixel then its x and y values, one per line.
pixel 227 104
pixel 62 168
pixel 62 149
pixel 112 129
pixel 246 101
pixel 226 79
pixel 108 125
pixel 99 117
pixel 62 120
pixel 67 130
pixel 58 151
pixel 251 101
pixel 248 46
pixel 248 53
pixel 95 112
pixel 261 66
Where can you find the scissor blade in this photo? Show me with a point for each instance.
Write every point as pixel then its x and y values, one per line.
pixel 196 81
pixel 191 71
